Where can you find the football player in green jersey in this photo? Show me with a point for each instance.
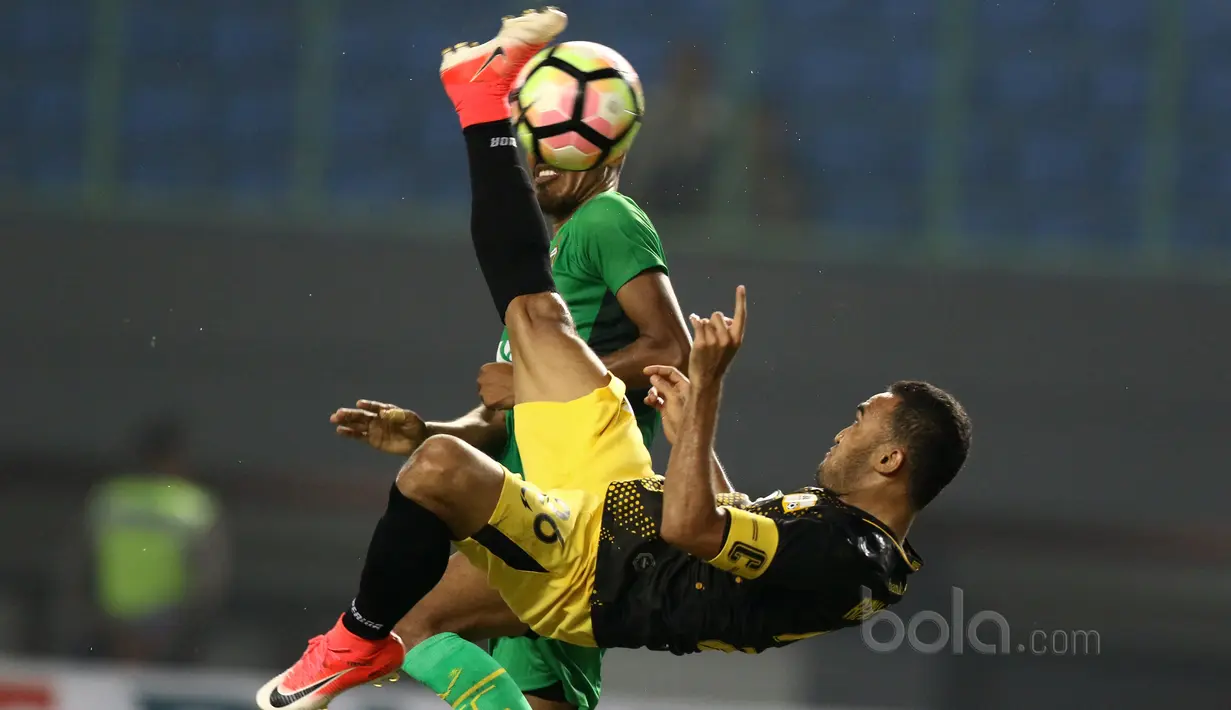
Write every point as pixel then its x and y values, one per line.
pixel 609 266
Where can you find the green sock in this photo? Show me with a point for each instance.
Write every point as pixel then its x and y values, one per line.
pixel 463 675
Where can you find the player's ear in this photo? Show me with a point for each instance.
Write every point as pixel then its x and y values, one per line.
pixel 888 460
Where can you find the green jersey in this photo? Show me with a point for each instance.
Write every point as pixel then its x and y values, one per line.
pixel 605 244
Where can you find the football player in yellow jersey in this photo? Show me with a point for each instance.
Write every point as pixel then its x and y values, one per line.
pixel 621 557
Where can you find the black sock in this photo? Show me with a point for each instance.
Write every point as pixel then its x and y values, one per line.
pixel 406 558
pixel 510 236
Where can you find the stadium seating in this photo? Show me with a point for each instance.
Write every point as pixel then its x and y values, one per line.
pixel 1053 105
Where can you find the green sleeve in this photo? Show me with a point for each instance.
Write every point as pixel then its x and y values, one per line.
pixel 619 242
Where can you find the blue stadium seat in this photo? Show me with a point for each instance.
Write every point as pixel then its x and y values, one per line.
pixel 370 154
pixel 990 214
pixel 53 133
pixel 682 20
pixel 10 30
pixel 163 168
pixel 913 77
pixel 803 36
pixel 1021 17
pixel 363 116
pixel 1204 169
pixel 417 57
pixel 828 15
pixel 1119 87
pixel 167 35
pixel 911 18
pixel 166 136
pixel 1203 228
pixel 257 37
pixel 866 206
pixel 13 95
pixel 40 28
pixel 984 154
pixel 1124 167
pixel 358 179
pixel 1205 173
pixel 379 40
pixel 845 149
pixel 1076 194
pixel 258 113
pixel 258 130
pixel 1125 23
pixel 165 111
pixel 250 171
pixel 1056 160
pixel 437 157
pixel 1210 93
pixel 1059 217
pixel 1207 20
pixel 1030 83
pixel 835 72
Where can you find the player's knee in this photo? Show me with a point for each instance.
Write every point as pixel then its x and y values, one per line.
pixel 431 471
pixel 536 311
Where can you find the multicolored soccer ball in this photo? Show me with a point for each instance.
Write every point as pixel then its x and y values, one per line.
pixel 578 106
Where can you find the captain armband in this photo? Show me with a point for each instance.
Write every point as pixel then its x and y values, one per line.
pixel 752 541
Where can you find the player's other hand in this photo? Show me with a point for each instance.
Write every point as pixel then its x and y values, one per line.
pixel 669 390
pixel 715 341
pixel 496 385
pixel 385 427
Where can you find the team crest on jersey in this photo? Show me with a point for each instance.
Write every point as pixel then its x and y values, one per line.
pixel 504 351
pixel 798 501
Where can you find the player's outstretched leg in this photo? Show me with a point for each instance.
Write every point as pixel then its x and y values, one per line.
pixel 479 77
pixel 446 491
pixel 510 237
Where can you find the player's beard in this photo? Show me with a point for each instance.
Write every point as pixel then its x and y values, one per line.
pixel 840 469
pixel 557 205
pixel 561 196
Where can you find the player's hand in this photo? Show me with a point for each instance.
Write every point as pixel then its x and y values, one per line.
pixel 669 390
pixel 715 341
pixel 496 385
pixel 385 427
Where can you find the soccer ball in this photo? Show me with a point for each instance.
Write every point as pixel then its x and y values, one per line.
pixel 578 106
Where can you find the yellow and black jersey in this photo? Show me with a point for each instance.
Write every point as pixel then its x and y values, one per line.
pixel 792 566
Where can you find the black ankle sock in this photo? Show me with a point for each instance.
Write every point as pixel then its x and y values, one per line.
pixel 510 236
pixel 406 558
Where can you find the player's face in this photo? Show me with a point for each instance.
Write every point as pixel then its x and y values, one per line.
pixel 561 192
pixel 856 445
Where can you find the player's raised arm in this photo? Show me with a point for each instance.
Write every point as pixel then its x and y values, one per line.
pixel 690 520
pixel 662 338
pixel 669 394
pixel 619 245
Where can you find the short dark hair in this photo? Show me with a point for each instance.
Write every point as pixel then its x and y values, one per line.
pixel 935 429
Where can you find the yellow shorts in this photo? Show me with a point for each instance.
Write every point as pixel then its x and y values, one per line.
pixel 540 545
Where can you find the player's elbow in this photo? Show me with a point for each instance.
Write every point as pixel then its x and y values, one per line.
pixel 669 348
pixel 698 535
pixel 675 351
pixel 672 532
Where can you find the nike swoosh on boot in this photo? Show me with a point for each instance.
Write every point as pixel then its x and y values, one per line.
pixel 278 700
